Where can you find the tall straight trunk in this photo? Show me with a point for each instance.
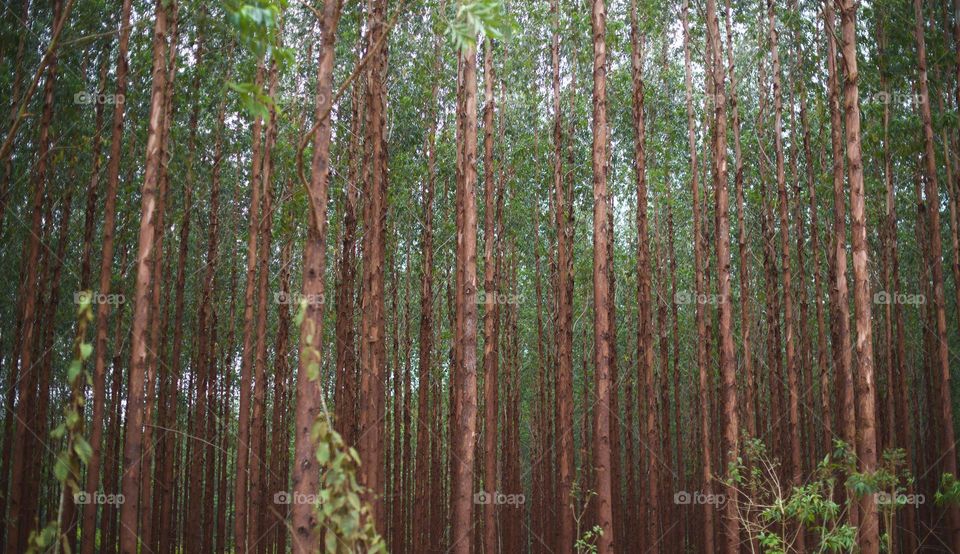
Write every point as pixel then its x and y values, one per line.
pixel 424 495
pixel 306 535
pixel 490 311
pixel 903 434
pixel 204 373
pixel 157 322
pixel 822 365
pixel 645 351
pixel 868 531
pixel 932 193
pixel 346 394
pixel 603 332
pixel 93 186
pixel 708 529
pixel 785 271
pixel 728 363
pixel 280 445
pixel 247 355
pixel 19 520
pixel 258 439
pixel 748 409
pixel 135 407
pixel 167 416
pixel 839 296
pixel 465 338
pixel 373 336
pixel 564 316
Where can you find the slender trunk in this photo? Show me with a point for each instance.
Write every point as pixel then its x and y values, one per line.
pixel 932 193
pixel 603 332
pixel 708 528
pixel 838 296
pixel 19 521
pixel 465 338
pixel 257 506
pixel 129 537
pixel 423 505
pixel 346 388
pixel 564 317
pixel 306 535
pixel 728 363
pixel 868 531
pixel 490 311
pixel 240 524
pixel 373 336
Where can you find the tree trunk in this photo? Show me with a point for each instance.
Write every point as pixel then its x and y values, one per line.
pixel 932 193
pixel 604 335
pixel 89 524
pixel 306 535
pixel 129 510
pixel 240 524
pixel 490 313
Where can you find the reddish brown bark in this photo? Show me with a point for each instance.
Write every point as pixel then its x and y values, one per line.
pixel 424 508
pixel 490 311
pixel 465 337
pixel 932 193
pixel 372 323
pixel 240 524
pixel 257 442
pixel 603 332
pixel 564 319
pixel 19 518
pixel 840 315
pixel 306 536
pixel 135 407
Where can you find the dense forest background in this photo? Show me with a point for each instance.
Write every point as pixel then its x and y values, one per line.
pixel 479 276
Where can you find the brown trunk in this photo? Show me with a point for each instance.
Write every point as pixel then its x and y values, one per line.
pixel 868 531
pixel 346 394
pixel 465 338
pixel 135 407
pixel 240 524
pixel 645 351
pixel 707 472
pixel 257 503
pixel 838 291
pixel 564 317
pixel 932 193
pixel 491 313
pixel 19 521
pixel 785 271
pixel 423 498
pixel 306 535
pixel 728 362
pixel 603 332
pixel 373 337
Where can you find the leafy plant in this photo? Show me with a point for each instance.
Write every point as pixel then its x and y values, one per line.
pixel 346 521
pixel 77 451
pixel 478 17
pixel 775 515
